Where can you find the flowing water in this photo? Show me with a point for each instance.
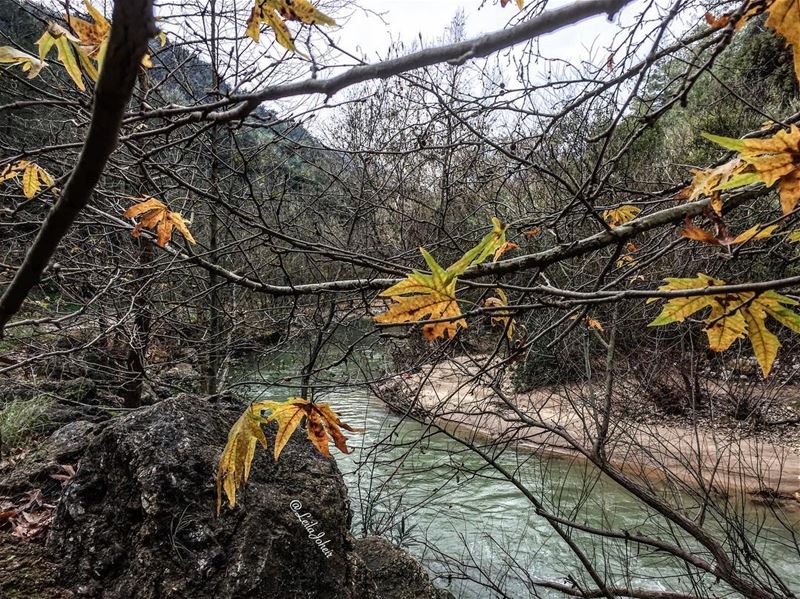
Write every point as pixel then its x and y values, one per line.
pixel 472 527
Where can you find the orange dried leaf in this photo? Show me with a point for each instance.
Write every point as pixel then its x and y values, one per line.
pixel 506 247
pixel 156 216
pixel 535 232
pixel 593 323
pixel 717 22
pixel 690 231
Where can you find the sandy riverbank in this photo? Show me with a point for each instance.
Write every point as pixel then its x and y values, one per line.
pixel 452 396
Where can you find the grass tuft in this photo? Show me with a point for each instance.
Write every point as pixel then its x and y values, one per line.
pixel 21 419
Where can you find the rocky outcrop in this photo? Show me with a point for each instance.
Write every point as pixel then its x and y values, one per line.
pixel 138 519
pixel 396 574
pixel 63 448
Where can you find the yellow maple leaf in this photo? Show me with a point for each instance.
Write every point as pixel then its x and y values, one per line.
pixel 89 44
pixel 33 177
pixel 754 233
pixel 620 216
pixel 432 296
pixel 732 316
pixel 422 296
pixel 66 45
pixel 500 318
pixel 321 421
pixel 234 464
pixel 274 12
pixel 155 215
pixel 770 159
pixel 30 64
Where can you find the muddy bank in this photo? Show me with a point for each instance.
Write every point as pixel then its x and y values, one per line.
pixel 455 396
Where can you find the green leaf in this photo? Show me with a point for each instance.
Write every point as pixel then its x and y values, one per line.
pixel 680 308
pixel 787 317
pixel 740 180
pixel 485 248
pixel 729 143
pixel 440 275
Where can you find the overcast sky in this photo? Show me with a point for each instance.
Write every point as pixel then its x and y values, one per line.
pixel 405 20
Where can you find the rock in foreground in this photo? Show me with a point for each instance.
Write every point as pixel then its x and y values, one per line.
pixel 138 519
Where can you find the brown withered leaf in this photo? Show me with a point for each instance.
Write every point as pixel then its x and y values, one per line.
pixel 723 237
pixel 66 474
pixel 321 421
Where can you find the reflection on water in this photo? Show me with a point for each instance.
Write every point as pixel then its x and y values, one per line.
pixel 429 494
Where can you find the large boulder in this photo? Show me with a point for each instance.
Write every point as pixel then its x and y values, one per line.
pixel 138 519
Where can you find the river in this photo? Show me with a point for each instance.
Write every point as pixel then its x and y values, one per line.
pixel 472 528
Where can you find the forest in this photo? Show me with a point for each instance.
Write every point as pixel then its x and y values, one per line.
pixel 400 299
